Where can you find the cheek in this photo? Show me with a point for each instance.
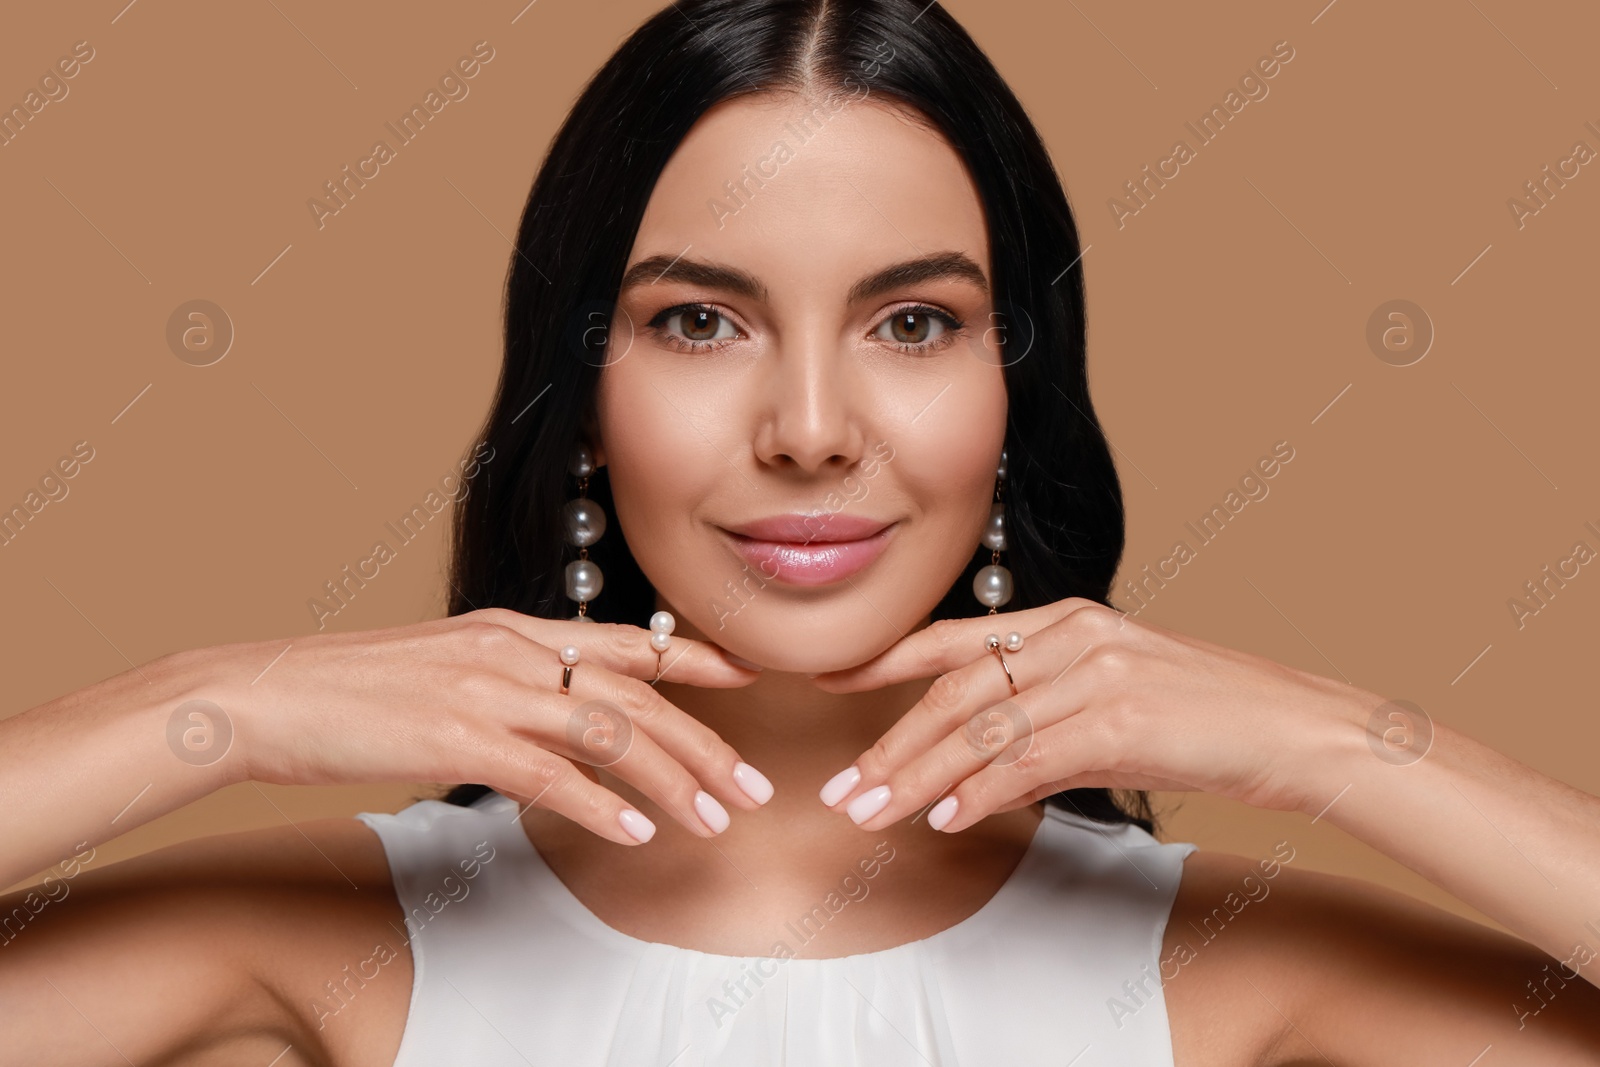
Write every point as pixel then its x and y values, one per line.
pixel 949 464
pixel 658 466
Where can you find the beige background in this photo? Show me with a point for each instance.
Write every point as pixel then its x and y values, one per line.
pixel 1229 314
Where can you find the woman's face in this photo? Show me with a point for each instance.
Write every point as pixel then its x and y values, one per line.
pixel 827 250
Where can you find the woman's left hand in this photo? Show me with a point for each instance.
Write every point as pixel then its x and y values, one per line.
pixel 1102 700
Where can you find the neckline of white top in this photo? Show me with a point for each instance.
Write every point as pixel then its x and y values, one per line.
pixel 579 915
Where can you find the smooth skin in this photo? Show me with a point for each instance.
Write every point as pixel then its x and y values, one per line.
pixel 213 950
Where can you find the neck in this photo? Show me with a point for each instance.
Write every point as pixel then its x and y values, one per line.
pixel 796 734
pixel 800 736
pixel 782 855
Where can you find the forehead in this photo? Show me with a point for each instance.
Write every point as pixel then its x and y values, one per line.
pixel 797 189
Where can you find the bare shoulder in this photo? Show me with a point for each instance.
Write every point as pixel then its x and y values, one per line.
pixel 1266 963
pixel 286 940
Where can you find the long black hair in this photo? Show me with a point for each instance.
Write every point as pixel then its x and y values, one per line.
pixel 1064 506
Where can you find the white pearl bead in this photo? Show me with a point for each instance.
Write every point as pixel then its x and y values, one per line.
pixel 582 521
pixel 582 618
pixel 991 642
pixel 569 654
pixel 992 585
pixel 1013 641
pixel 660 640
pixel 584 579
pixel 581 463
pixel 994 534
pixel 663 622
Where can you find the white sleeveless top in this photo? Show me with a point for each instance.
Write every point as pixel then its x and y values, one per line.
pixel 1060 967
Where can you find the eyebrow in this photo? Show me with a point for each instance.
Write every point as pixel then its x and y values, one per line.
pixel 932 267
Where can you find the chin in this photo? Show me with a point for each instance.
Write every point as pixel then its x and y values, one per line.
pixel 811 630
pixel 814 647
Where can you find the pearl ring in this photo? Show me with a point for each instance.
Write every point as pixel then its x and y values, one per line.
pixel 661 626
pixel 569 660
pixel 1013 643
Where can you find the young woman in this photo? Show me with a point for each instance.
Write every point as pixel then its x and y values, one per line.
pixel 796 318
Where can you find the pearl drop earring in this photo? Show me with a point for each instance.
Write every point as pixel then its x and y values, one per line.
pixel 993 585
pixel 583 521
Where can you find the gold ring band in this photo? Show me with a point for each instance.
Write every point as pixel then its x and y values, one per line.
pixel 992 643
pixel 569 659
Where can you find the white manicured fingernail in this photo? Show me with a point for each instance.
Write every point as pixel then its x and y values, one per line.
pixel 840 785
pixel 711 813
pixel 943 812
pixel 753 782
pixel 868 804
pixel 638 827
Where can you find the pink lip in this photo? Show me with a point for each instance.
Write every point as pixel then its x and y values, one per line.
pixel 804 550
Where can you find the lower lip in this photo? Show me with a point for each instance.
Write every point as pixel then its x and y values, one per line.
pixel 816 563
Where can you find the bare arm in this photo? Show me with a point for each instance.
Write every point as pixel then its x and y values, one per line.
pixel 471 698
pixel 181 958
pixel 236 948
pixel 1106 700
pixel 1267 965
pixel 1518 845
pixel 93 764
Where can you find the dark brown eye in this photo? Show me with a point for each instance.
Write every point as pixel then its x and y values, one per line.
pixel 919 328
pixel 701 324
pixel 694 328
pixel 910 327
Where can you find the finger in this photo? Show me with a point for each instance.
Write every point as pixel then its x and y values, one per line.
pixel 996 736
pixel 626 649
pixel 615 712
pixel 532 776
pixel 947 644
pixel 682 764
pixel 607 742
pixel 578 732
pixel 971 702
pixel 1070 749
pixel 947 708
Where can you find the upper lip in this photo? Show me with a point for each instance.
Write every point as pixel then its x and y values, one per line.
pixel 798 528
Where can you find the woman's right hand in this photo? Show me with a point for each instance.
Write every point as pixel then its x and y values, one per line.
pixel 476 698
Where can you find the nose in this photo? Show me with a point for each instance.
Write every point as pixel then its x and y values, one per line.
pixel 813 406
